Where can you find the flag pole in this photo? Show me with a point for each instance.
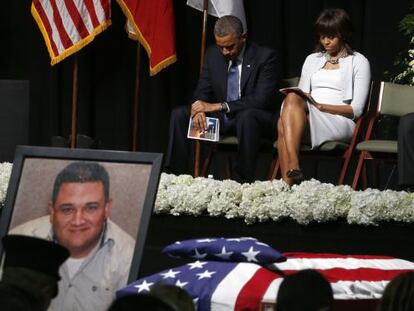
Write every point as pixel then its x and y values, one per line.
pixel 136 100
pixel 203 34
pixel 74 102
pixel 202 52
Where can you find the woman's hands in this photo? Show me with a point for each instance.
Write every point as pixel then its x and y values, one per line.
pixel 343 110
pixel 320 107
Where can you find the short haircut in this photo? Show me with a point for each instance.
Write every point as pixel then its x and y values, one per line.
pixel 81 172
pixel 174 296
pixel 228 25
pixel 139 302
pixel 399 293
pixel 334 22
pixel 304 290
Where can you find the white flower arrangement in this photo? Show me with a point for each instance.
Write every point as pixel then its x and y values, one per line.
pixel 273 200
pixel 270 200
pixel 5 172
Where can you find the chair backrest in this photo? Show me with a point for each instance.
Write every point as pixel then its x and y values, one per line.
pixel 371 104
pixel 395 99
pixel 289 82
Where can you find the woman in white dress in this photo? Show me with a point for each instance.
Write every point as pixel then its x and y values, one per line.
pixel 338 79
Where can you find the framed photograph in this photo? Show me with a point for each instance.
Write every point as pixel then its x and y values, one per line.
pixel 47 198
pixel 212 133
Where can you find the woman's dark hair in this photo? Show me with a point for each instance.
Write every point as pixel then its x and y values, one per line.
pixel 334 22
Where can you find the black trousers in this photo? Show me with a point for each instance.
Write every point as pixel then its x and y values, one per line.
pixel 249 125
pixel 406 150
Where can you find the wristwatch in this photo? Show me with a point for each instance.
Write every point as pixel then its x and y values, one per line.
pixel 223 107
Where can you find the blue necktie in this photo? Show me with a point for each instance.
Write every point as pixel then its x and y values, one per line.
pixel 233 82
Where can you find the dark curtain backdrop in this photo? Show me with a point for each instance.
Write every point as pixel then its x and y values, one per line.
pixel 107 65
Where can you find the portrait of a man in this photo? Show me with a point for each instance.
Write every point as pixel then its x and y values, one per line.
pixel 79 218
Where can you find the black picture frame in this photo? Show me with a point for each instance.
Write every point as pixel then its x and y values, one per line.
pixel 42 160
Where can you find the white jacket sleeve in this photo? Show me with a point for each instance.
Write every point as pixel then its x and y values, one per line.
pixel 361 80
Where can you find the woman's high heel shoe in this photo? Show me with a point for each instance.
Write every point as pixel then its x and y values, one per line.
pixel 296 174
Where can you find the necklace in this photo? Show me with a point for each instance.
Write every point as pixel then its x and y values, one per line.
pixel 335 59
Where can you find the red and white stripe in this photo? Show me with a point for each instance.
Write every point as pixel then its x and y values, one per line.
pixel 243 288
pixel 351 277
pixel 68 25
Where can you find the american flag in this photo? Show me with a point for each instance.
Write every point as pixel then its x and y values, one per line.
pixel 246 249
pixel 69 25
pixel 351 276
pixel 244 286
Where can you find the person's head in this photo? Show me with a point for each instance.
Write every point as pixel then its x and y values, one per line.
pixel 30 272
pixel 14 299
pixel 333 29
pixel 229 35
pixel 399 294
pixel 80 206
pixel 306 290
pixel 174 296
pixel 139 302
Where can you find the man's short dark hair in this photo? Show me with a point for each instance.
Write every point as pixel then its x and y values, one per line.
pixel 81 172
pixel 304 290
pixel 228 25
pixel 399 293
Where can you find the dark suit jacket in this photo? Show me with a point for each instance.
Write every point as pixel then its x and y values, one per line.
pixel 258 84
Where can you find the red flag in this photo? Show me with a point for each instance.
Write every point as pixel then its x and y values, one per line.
pixel 69 25
pixel 151 22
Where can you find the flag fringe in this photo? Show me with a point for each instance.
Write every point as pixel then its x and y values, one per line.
pixel 161 65
pixel 74 48
pixel 138 36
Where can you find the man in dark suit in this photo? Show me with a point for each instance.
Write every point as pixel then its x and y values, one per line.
pixel 238 84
